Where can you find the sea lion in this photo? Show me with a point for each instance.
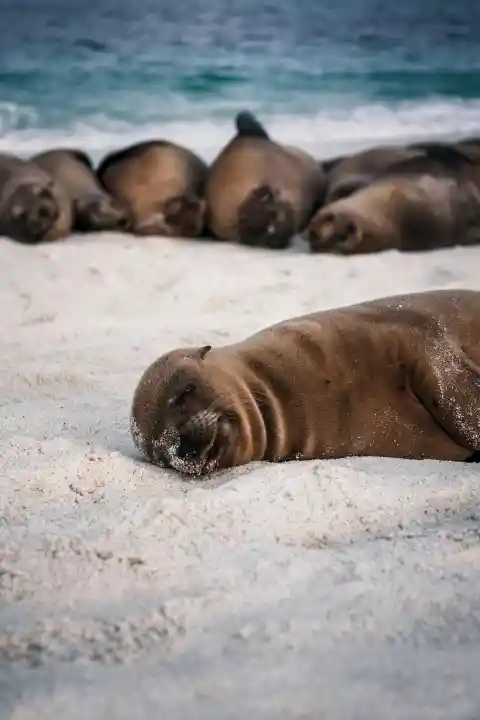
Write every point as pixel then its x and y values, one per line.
pixel 470 146
pixel 161 183
pixel 93 209
pixel 33 206
pixel 428 201
pixel 352 172
pixel 395 377
pixel 260 192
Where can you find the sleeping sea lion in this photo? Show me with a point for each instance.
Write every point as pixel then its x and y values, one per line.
pixel 93 209
pixel 33 206
pixel 260 192
pixel 394 377
pixel 162 185
pixel 424 202
pixel 353 172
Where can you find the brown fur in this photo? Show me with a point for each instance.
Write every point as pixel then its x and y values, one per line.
pixel 261 193
pixel 470 146
pixel 33 206
pixel 93 208
pixel 356 171
pixel 394 377
pixel 162 184
pixel 420 203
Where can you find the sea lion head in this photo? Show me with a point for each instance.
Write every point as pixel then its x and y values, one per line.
pixel 265 220
pixel 34 211
pixel 332 231
pixel 101 212
pixel 182 415
pixel 179 216
pixel 185 216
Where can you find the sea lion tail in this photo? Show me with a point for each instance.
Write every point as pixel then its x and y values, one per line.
pixel 248 125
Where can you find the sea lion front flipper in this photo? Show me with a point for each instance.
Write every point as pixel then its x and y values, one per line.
pixel 435 158
pixel 447 383
pixel 248 126
pixel 445 153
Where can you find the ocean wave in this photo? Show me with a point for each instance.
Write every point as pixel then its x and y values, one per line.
pixel 325 134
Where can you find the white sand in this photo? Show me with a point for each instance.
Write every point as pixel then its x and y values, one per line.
pixel 323 590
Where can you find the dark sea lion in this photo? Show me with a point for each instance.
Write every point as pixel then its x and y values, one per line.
pixel 470 146
pixel 352 172
pixel 424 202
pixel 93 208
pixel 394 377
pixel 161 183
pixel 33 206
pixel 260 192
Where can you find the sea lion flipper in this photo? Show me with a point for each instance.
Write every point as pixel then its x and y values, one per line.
pixel 248 126
pixel 446 157
pixel 447 383
pixel 348 187
pixel 443 152
pixel 331 163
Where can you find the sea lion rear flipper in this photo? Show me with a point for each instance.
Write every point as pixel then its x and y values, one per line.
pixel 447 383
pixel 248 125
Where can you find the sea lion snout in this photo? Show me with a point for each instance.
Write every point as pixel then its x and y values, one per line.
pixel 180 417
pixel 185 215
pixel 34 211
pixel 195 447
pixel 333 233
pixel 101 213
pixel 265 219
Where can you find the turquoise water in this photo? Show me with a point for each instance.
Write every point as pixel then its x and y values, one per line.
pixel 324 74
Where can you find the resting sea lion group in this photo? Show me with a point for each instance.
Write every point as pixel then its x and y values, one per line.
pixel 397 376
pixel 256 192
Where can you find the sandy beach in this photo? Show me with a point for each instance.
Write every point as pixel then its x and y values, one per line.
pixel 327 590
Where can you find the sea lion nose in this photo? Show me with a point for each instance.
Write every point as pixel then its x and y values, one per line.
pixel 124 223
pixel 186 449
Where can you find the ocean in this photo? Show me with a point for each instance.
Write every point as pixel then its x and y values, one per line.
pixel 323 74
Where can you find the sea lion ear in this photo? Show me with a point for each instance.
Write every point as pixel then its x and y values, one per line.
pixel 203 351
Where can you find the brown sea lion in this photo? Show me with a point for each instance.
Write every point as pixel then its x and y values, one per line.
pixel 161 183
pixel 260 192
pixel 420 203
pixel 352 172
pixel 93 208
pixel 470 146
pixel 394 377
pixel 33 206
